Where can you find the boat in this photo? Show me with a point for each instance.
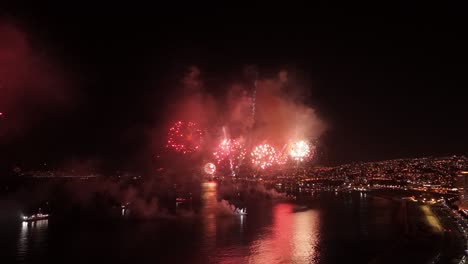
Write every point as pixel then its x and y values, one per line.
pixel 35 217
pixel 242 211
pixel 182 199
pixel 298 209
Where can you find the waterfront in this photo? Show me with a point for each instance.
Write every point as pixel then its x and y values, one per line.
pixel 334 228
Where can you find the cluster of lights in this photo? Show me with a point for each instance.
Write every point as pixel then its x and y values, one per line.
pixel 184 137
pixel 282 156
pixel 229 149
pixel 299 150
pixel 264 156
pixel 187 137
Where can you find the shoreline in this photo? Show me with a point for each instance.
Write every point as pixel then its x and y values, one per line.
pixel 451 243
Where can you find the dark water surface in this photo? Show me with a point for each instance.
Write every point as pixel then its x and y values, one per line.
pixel 336 228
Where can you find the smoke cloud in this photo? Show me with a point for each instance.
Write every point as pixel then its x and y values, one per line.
pixel 280 118
pixel 224 208
pixel 193 103
pixel 253 110
pixel 30 82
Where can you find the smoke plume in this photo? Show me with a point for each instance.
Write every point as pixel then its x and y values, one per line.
pixel 252 110
pixel 30 82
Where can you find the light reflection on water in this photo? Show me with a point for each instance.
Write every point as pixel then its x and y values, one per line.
pixel 32 239
pixel 23 239
pixel 305 237
pixel 292 239
pixel 363 215
pixel 270 233
pixel 209 214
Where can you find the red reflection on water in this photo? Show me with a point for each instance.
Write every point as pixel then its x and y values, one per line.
pixel 293 238
pixel 305 237
pixel 282 230
pixel 209 213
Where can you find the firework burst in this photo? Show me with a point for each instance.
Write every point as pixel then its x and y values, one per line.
pixel 229 148
pixel 300 150
pixel 264 156
pixel 231 151
pixel 209 168
pixel 282 156
pixel 184 137
pixel 222 151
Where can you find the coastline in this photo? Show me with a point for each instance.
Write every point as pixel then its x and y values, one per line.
pixel 438 233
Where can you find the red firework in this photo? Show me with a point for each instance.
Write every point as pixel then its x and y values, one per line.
pixel 281 157
pixel 209 168
pixel 264 156
pixel 229 149
pixel 301 150
pixel 184 137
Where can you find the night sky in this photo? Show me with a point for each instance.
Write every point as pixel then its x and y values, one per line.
pixel 389 80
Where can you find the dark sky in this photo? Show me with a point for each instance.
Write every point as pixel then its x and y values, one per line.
pixel 389 80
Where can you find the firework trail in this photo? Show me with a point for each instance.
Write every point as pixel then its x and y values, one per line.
pixel 254 97
pixel 232 151
pixel 254 104
pixel 229 154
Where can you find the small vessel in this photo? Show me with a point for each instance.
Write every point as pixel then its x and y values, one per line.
pixel 182 199
pixel 125 209
pixel 298 209
pixel 35 217
pixel 241 211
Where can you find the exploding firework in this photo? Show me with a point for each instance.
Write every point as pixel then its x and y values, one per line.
pixel 282 156
pixel 209 168
pixel 264 156
pixel 230 151
pixel 299 150
pixel 184 137
pixel 223 150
